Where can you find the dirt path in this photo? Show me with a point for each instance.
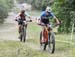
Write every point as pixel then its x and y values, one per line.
pixel 9 28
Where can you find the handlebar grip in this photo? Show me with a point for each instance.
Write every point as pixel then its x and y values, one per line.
pixel 30 20
pixel 16 20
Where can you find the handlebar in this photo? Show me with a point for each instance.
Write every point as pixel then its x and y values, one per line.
pixel 54 25
pixel 23 20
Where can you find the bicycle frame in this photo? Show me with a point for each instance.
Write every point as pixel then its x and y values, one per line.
pixel 48 39
pixel 45 33
pixel 23 30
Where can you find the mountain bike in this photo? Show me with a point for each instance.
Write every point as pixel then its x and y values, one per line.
pixel 22 33
pixel 47 38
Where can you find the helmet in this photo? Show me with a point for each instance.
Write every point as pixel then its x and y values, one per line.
pixel 48 9
pixel 22 11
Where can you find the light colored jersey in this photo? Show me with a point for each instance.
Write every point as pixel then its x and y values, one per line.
pixel 26 14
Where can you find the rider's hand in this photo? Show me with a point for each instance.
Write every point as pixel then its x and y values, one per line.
pixel 30 20
pixel 58 23
pixel 15 19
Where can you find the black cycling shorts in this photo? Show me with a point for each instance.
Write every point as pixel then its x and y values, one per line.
pixel 45 21
pixel 20 22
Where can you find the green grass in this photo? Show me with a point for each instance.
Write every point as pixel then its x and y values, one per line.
pixel 10 48
pixel 16 48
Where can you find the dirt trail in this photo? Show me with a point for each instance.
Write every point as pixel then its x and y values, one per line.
pixel 9 28
pixel 11 32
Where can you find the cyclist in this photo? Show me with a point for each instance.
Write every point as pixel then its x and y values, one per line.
pixel 44 19
pixel 22 17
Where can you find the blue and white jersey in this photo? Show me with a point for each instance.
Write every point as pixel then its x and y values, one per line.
pixel 43 14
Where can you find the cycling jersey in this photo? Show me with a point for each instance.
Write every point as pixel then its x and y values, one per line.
pixel 22 17
pixel 46 20
pixel 43 14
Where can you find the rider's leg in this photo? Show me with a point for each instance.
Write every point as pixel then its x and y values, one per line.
pixel 49 30
pixel 49 27
pixel 19 29
pixel 46 43
pixel 26 25
pixel 42 32
pixel 45 34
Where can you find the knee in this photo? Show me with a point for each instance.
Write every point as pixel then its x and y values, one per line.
pixel 19 28
pixel 26 25
pixel 49 28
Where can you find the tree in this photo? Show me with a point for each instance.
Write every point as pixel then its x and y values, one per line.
pixel 64 10
pixel 5 6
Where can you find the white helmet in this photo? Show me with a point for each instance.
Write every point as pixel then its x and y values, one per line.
pixel 48 9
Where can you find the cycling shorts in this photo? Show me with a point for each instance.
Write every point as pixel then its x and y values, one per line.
pixel 45 21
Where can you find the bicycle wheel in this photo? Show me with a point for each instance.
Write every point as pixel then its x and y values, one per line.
pixel 41 43
pixel 21 35
pixel 24 34
pixel 40 39
pixel 21 38
pixel 51 42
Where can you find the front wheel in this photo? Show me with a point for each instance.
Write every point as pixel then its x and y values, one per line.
pixel 24 34
pixel 41 41
pixel 51 42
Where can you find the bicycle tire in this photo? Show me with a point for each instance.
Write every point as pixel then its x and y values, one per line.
pixel 40 38
pixel 41 43
pixel 51 42
pixel 24 34
pixel 21 38
pixel 21 35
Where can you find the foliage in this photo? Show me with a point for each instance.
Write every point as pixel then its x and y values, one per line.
pixel 38 4
pixel 5 6
pixel 65 10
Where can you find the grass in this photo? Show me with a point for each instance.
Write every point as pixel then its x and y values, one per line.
pixel 16 48
pixel 10 48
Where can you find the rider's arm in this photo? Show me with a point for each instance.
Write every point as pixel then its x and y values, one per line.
pixel 28 15
pixel 17 16
pixel 56 19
